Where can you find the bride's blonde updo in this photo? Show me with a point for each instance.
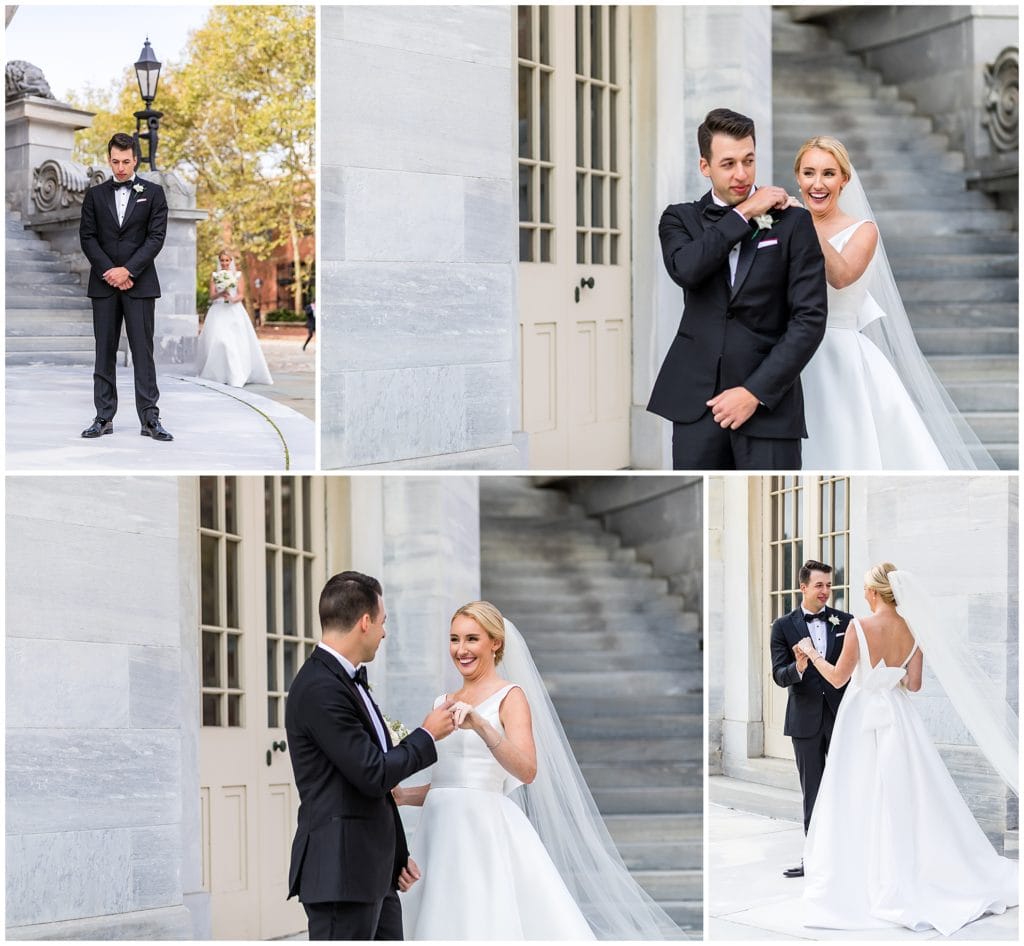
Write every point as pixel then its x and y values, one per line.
pixel 877 579
pixel 489 618
pixel 833 146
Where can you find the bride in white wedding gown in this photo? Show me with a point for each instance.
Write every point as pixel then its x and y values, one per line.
pixel 891 842
pixel 228 349
pixel 489 872
pixel 871 400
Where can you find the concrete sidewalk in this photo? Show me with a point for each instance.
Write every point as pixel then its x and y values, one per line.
pixel 215 427
pixel 748 898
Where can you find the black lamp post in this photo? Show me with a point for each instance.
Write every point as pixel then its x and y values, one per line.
pixel 147 71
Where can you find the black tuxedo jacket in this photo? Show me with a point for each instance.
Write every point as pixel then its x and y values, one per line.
pixel 758 333
pixel 133 244
pixel 349 844
pixel 808 696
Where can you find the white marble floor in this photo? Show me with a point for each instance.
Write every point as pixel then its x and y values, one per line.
pixel 748 898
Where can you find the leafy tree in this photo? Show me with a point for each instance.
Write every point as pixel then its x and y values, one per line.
pixel 240 123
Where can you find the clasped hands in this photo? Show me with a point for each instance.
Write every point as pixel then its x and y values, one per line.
pixel 118 277
pixel 804 650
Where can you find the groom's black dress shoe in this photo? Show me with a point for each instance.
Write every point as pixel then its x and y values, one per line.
pixel 794 871
pixel 98 428
pixel 153 428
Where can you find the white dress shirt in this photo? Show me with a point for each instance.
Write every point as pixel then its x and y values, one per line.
pixel 385 742
pixel 121 195
pixel 734 253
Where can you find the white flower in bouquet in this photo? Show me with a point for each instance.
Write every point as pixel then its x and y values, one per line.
pixel 396 729
pixel 225 279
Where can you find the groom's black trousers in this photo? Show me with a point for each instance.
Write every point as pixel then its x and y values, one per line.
pixel 345 920
pixel 810 754
pixel 705 445
pixel 137 316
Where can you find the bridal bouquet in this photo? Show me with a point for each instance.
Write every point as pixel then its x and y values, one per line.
pixel 396 730
pixel 225 279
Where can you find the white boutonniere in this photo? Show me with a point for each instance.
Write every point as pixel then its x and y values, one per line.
pixel 834 621
pixel 764 222
pixel 396 730
pixel 138 188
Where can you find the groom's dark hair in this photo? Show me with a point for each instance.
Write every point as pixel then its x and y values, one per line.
pixel 346 598
pixel 723 121
pixel 812 566
pixel 122 142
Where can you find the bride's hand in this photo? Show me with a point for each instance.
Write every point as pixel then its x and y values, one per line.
pixel 462 714
pixel 807 646
pixel 793 202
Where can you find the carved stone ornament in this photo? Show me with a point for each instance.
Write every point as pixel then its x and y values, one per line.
pixel 22 78
pixel 1001 99
pixel 58 185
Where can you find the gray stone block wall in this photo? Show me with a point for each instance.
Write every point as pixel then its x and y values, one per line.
pixel 418 236
pixel 96 781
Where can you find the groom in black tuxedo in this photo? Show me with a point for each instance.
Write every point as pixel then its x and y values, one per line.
pixel 813 701
pixel 755 305
pixel 124 222
pixel 349 854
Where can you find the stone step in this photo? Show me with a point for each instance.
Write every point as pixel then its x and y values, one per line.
pixel 662 855
pixel 767 771
pixel 626 684
pixel 769 801
pixel 567 626
pixel 576 706
pixel 968 315
pixel 825 64
pixel 799 103
pixel 610 643
pixel 688 915
pixel 887 180
pixel 868 154
pixel 75 358
pixel 651 660
pixel 979 341
pixel 539 587
pixel 840 121
pixel 963 368
pixel 42 276
pixel 942 289
pixel 787 82
pixel 496 504
pixel 938 201
pixel 978 395
pixel 520 607
pixel 994 243
pixel 790 37
pixel 29 345
pixel 649 799
pixel 615 773
pixel 684 884
pixel 596 569
pixel 636 829
pixel 33 266
pixel 994 427
pixel 1006 456
pixel 55 297
pixel 49 328
pixel 958 266
pixel 907 223
pixel 654 748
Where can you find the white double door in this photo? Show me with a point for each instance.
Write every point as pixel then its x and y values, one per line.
pixel 574 209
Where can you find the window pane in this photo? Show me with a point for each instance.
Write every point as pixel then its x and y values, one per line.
pixel 596 127
pixel 210 579
pixel 545 195
pixel 598 248
pixel 545 246
pixel 211 709
pixel 272 645
pixel 526 193
pixel 581 200
pixel 826 508
pixel 545 48
pixel 231 548
pixel 596 201
pixel 580 118
pixel 272 712
pixel 271 593
pixel 525 246
pixel 208 502
pixel 581 13
pixel 234 671
pixel 308 598
pixel 289 564
pixel 291 662
pixel 613 255
pixel 307 515
pixel 525 112
pixel 545 116
pixel 611 44
pixel 270 529
pixel 288 511
pixel 596 53
pixel 234 709
pixel 231 505
pixel 840 506
pixel 581 247
pixel 613 131
pixel 613 203
pixel 211 659
pixel 525 17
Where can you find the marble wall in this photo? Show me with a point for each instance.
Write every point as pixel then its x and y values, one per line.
pixel 100 781
pixel 418 237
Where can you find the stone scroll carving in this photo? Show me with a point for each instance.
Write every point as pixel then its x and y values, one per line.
pixel 1001 99
pixel 58 185
pixel 23 78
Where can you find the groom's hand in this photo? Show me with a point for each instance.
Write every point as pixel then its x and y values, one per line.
pixel 117 277
pixel 801 659
pixel 410 874
pixel 733 407
pixel 439 722
pixel 763 200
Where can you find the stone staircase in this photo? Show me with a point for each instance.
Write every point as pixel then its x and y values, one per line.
pixel 953 254
pixel 621 659
pixel 48 316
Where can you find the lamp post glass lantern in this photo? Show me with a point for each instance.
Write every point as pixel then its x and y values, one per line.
pixel 147 72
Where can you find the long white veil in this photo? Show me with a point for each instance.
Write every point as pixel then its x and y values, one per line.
pixel 979 699
pixel 887 325
pixel 564 814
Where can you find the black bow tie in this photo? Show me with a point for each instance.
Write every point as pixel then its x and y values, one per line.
pixel 714 211
pixel 820 616
pixel 360 677
pixel 119 184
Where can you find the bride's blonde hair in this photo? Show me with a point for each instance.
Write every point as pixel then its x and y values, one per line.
pixel 877 579
pixel 489 618
pixel 833 146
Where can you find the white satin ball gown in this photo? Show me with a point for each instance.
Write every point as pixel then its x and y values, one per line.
pixel 228 350
pixel 859 415
pixel 485 873
pixel 891 842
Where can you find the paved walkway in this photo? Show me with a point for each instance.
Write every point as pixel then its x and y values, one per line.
pixel 748 898
pixel 215 427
